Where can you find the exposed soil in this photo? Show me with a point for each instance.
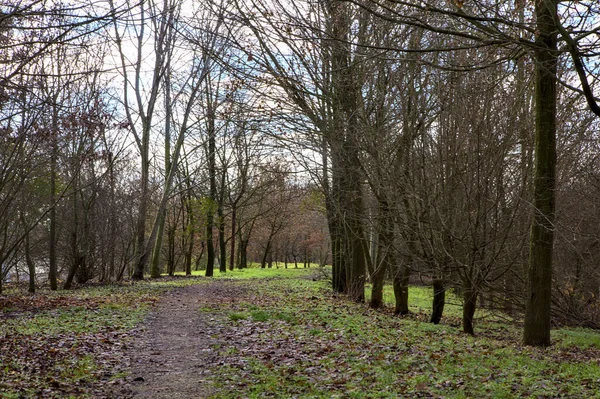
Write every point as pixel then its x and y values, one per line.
pixel 178 344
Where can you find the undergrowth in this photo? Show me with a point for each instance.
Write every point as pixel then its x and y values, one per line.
pixel 291 337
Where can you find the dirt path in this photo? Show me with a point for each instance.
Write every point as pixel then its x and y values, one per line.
pixel 178 344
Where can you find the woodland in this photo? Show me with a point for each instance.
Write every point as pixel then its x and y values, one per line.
pixel 400 162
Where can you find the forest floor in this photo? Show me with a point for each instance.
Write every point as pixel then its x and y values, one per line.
pixel 271 333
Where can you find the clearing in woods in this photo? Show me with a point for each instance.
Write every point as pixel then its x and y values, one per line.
pixel 273 333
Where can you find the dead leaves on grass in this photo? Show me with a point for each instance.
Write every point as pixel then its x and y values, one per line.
pixel 42 366
pixel 39 358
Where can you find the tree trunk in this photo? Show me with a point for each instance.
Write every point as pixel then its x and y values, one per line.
pixel 78 261
pixel 76 257
pixel 28 260
pixel 171 252
pixel 439 301
pixel 469 307
pixel 401 290
pixel 191 235
pixel 53 271
pixel 188 255
pixel 30 265
pixel 199 257
pixel 233 235
pixel 358 265
pixel 338 267
pixel 113 220
pixel 222 244
pixel 141 253
pixel 383 259
pixel 210 248
pixel 263 262
pixel 537 312
pixel 243 254
pixel 377 290
pixel 380 269
pixel 156 254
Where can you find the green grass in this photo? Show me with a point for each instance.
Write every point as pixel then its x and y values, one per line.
pixel 576 337
pixel 255 271
pixel 334 348
pixel 235 316
pixel 304 342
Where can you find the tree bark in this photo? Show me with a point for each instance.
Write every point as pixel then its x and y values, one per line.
pixel 469 307
pixel 141 253
pixel 263 262
pixel 210 246
pixel 401 290
pixel 53 271
pixel 222 243
pixel 233 235
pixel 28 260
pixel 383 260
pixel 537 312
pixel 243 254
pixel 439 301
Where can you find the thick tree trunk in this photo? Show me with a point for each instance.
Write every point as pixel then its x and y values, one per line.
pixel 199 257
pixel 336 229
pixel 243 254
pixel 212 176
pixel 338 266
pixel 355 235
pixel 401 290
pixel 384 259
pixel 439 301
pixel 377 279
pixel 380 268
pixel 537 314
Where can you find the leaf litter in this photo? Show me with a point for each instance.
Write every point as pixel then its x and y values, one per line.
pixel 287 340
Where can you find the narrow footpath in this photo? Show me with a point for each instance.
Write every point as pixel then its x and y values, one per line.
pixel 177 345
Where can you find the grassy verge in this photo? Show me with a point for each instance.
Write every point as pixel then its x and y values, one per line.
pixel 295 339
